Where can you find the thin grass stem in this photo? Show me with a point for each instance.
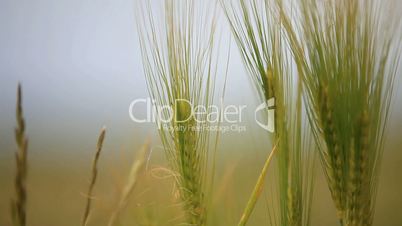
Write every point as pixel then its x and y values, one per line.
pixel 94 175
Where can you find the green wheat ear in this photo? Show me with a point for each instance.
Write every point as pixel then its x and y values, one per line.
pixel 257 30
pixel 348 54
pixel 180 64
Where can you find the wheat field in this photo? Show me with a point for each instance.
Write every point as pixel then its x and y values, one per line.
pixel 72 153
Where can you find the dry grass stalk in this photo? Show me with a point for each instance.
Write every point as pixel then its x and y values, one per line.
pixel 18 206
pixel 136 168
pixel 94 174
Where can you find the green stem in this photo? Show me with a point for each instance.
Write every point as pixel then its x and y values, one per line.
pixel 257 189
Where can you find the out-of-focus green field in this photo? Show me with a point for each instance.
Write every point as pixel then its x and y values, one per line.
pixel 57 182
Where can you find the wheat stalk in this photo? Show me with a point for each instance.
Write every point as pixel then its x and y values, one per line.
pixel 136 168
pixel 179 64
pixel 18 205
pixel 348 53
pixel 94 175
pixel 257 30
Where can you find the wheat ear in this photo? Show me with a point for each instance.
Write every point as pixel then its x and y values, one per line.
pixel 180 65
pixel 348 55
pixel 258 34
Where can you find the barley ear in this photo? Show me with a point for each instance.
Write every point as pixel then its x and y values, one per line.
pixel 348 54
pixel 94 174
pixel 18 205
pixel 180 65
pixel 334 156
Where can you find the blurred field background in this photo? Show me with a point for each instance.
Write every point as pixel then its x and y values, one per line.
pixel 80 67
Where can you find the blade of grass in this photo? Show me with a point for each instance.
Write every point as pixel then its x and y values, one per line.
pixel 257 189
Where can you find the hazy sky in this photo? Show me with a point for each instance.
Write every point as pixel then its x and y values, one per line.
pixel 80 66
